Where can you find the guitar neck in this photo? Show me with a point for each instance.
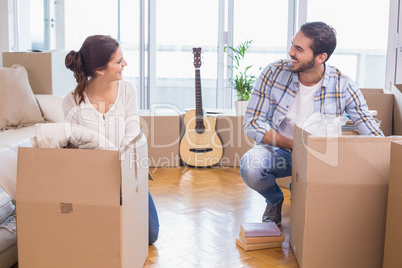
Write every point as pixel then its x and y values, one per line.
pixel 198 96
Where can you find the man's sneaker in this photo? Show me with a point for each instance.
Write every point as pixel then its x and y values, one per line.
pixel 273 213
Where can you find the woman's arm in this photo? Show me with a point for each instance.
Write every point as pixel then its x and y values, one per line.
pixel 132 119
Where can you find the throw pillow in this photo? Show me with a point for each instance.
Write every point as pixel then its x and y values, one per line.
pixel 18 105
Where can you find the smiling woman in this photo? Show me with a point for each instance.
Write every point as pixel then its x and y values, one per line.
pixel 103 101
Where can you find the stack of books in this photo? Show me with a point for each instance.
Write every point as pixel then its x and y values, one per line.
pixel 349 127
pixel 259 235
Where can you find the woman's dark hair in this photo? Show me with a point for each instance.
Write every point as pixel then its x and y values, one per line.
pixel 323 36
pixel 94 54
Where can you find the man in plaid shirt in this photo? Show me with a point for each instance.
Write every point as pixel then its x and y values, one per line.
pixel 286 93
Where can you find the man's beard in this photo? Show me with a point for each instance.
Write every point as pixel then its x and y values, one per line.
pixel 304 66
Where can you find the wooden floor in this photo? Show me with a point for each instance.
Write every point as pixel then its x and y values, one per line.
pixel 200 211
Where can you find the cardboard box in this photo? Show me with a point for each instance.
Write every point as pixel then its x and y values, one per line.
pixel 162 129
pixel 397 121
pixel 393 231
pixel 47 72
pixel 82 208
pixel 284 182
pixel 339 200
pixel 383 103
pixel 234 141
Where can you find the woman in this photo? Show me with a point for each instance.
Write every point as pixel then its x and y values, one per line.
pixel 103 101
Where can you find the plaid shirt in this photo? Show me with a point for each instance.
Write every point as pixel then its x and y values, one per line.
pixel 275 92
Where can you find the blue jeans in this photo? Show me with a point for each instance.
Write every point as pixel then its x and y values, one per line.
pixel 152 221
pixel 259 168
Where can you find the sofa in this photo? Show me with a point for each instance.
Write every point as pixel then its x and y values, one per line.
pixel 20 110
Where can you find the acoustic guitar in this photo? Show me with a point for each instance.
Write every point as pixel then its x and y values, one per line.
pixel 200 145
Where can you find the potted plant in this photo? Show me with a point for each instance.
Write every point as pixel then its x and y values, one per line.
pixel 241 80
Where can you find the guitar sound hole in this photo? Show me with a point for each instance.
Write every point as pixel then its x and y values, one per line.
pixel 200 129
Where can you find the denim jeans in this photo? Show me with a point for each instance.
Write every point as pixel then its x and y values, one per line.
pixel 259 168
pixel 152 221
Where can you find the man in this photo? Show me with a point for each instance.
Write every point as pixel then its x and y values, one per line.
pixel 286 93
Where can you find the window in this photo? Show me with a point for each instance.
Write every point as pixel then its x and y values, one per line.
pixel 180 26
pixel 266 23
pixel 129 35
pixel 36 25
pixel 89 17
pixel 362 37
pixel 157 38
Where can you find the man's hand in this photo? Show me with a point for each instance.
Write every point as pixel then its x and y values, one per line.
pixel 273 138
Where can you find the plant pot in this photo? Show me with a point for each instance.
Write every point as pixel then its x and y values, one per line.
pixel 241 107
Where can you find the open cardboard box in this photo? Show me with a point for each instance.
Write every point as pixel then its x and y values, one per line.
pixel 393 231
pixel 383 103
pixel 339 200
pixel 82 208
pixel 162 129
pixel 47 73
pixel 235 142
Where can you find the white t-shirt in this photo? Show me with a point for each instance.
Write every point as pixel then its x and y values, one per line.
pixel 120 124
pixel 301 109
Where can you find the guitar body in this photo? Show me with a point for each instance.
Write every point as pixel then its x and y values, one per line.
pixel 200 149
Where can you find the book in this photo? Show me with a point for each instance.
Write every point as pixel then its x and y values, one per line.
pixel 261 239
pixel 256 246
pixel 259 229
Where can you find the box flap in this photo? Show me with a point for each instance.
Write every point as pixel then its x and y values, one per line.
pixel 372 90
pixel 395 180
pixel 134 166
pixel 351 159
pixel 383 103
pixel 299 174
pixel 399 87
pixel 63 175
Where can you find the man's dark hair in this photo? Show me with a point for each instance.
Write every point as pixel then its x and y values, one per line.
pixel 323 36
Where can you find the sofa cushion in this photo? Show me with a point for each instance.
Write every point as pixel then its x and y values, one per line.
pixel 6 205
pixel 8 242
pixel 51 107
pixel 16 136
pixel 18 106
pixel 10 141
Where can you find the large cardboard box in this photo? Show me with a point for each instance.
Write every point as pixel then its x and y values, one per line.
pixel 383 103
pixel 47 72
pixel 339 200
pixel 234 141
pixel 393 231
pixel 162 129
pixel 82 208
